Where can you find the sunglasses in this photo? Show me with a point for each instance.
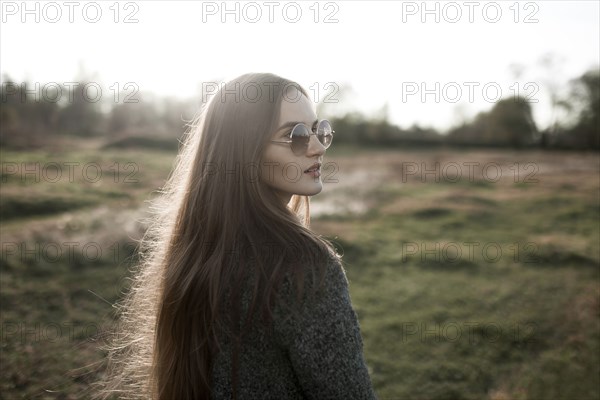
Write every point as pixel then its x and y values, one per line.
pixel 300 136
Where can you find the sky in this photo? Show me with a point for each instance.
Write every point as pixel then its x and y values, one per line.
pixel 433 63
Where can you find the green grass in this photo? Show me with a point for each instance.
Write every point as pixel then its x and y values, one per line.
pixel 521 323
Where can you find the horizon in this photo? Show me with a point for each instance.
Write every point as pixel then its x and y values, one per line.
pixel 487 56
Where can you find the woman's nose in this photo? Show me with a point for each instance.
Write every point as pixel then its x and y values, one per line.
pixel 315 147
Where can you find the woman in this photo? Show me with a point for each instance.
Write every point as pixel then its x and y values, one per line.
pixel 236 297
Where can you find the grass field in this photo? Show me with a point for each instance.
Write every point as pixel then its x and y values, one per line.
pixel 474 273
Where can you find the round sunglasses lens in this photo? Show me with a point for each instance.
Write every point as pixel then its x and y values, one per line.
pixel 324 133
pixel 300 139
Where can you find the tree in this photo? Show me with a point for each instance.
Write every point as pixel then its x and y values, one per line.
pixel 508 123
pixel 586 96
pixel 511 123
pixel 27 117
pixel 81 115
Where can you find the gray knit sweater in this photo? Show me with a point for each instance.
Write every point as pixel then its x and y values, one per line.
pixel 315 354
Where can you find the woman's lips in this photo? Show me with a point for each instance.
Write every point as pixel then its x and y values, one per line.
pixel 314 173
pixel 313 167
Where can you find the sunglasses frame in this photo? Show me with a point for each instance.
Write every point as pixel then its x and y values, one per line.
pixel 290 141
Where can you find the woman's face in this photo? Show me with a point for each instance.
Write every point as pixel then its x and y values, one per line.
pixel 280 168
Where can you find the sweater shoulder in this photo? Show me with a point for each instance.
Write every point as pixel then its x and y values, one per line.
pixel 307 284
pixel 323 295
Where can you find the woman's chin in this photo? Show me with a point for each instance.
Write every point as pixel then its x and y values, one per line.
pixel 314 191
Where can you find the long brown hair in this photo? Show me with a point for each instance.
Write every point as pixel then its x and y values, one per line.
pixel 212 223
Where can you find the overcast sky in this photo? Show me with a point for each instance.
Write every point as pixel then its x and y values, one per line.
pixel 372 53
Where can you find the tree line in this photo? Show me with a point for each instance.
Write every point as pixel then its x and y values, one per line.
pixel 33 115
